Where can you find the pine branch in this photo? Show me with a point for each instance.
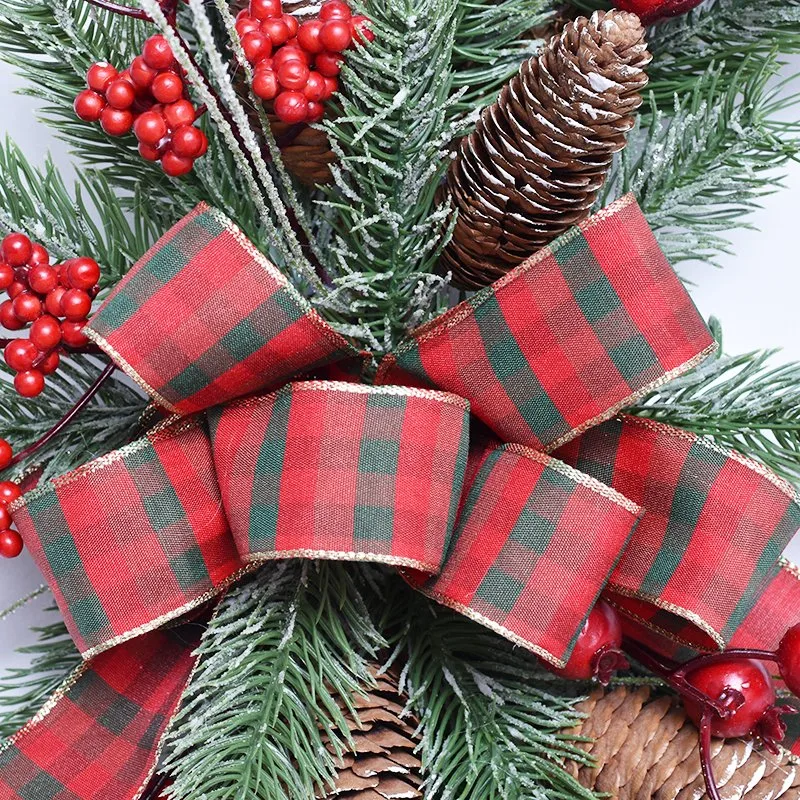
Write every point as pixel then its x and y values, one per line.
pixel 262 705
pixel 490 728
pixel 24 690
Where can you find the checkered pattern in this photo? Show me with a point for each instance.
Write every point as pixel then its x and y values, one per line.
pixel 336 469
pixel 714 529
pixel 133 537
pixel 534 546
pixel 566 339
pixel 98 742
pixel 204 318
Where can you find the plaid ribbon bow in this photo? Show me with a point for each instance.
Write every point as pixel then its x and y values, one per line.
pixel 488 462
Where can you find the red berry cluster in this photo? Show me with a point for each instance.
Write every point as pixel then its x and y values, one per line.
pixel 296 64
pixel 54 300
pixel 151 98
pixel 10 540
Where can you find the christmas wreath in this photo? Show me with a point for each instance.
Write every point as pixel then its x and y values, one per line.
pixel 365 436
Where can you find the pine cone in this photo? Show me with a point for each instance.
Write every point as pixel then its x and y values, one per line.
pixel 383 765
pixel 646 748
pixel 538 157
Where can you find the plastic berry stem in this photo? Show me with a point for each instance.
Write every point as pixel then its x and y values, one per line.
pixel 157 783
pixel 118 8
pixel 67 418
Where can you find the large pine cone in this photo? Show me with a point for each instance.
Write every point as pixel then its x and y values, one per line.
pixel 538 157
pixel 647 749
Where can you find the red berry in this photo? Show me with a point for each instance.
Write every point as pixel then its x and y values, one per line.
pixel 8 319
pixel 256 45
pixel 50 363
pixel 334 9
pixel 650 11
pixel 72 334
pixel 331 87
pixel 315 87
pixel 167 87
pixel 293 75
pixel 789 659
pixel 6 454
pixel 740 681
pixel 16 288
pixel 100 75
pixel 157 52
pixel 336 35
pixel 10 543
pixel 150 128
pixel 316 111
pixel 52 302
pixel 142 74
pixel 308 35
pixel 46 333
pixel 329 64
pixel 188 141
pixel 9 492
pixel 63 277
pixel 175 165
pixel 6 275
pixel 42 278
pixel 89 105
pixel 286 54
pixel 76 304
pixel 83 273
pixel 597 649
pixel 115 121
pixel 29 383
pixel 17 249
pixel 181 112
pixel 359 27
pixel 20 354
pixel 246 23
pixel 27 306
pixel 277 31
pixel 291 107
pixel 120 94
pixel 265 9
pixel 5 517
pixel 265 84
pixel 39 256
pixel 291 24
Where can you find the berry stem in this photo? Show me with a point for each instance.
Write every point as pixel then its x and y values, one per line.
pixel 67 418
pixel 157 783
pixel 724 655
pixel 118 8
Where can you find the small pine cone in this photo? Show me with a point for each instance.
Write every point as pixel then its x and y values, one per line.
pixel 538 157
pixel 382 764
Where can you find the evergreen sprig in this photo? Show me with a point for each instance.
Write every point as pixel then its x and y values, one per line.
pixel 279 665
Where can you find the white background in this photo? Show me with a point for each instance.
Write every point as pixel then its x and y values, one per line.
pixel 754 296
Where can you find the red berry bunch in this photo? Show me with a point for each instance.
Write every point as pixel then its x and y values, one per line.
pixel 10 540
pixel 296 64
pixel 151 98
pixel 54 300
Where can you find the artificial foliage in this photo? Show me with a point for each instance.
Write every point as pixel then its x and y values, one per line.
pixel 290 652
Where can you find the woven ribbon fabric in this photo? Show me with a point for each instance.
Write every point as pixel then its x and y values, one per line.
pixel 488 464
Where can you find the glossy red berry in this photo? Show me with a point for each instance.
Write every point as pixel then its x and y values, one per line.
pixel 334 9
pixel 597 649
pixel 52 303
pixel 6 454
pixel 316 112
pixel 181 112
pixel 291 107
pixel 292 24
pixel 265 84
pixel 157 53
pixel 115 121
pixel 245 23
pixel 308 35
pixel 27 306
pixel 120 94
pixel 359 27
pixel 150 128
pixel 89 105
pixel 83 273
pixel 5 517
pixel 9 492
pixel 29 383
pixel 76 304
pixel 314 89
pixel 20 354
pixel 336 35
pixel 256 45
pixel 188 141
pixel 742 683
pixel 265 9
pixel 175 165
pixel 276 30
pixel 50 363
pixel 293 75
pixel 100 75
pixel 8 319
pixel 650 11
pixel 17 249
pixel 331 87
pixel 10 543
pixel 39 256
pixel 329 64
pixel 17 287
pixel 42 278
pixel 286 54
pixel 167 87
pixel 72 334
pixel 6 275
pixel 142 74
pixel 789 659
pixel 45 333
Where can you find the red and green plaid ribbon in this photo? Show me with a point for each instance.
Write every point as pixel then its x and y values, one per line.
pixel 684 538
